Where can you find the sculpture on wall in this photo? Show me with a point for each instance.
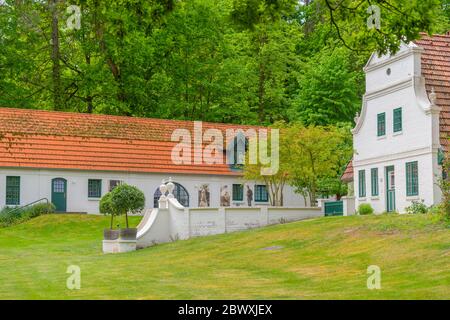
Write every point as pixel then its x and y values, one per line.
pixel 225 197
pixel 249 196
pixel 203 196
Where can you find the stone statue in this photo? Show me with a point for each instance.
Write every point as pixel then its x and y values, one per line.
pixel 203 196
pixel 224 197
pixel 249 196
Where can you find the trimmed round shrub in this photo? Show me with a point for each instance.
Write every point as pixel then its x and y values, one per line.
pixel 365 209
pixel 127 199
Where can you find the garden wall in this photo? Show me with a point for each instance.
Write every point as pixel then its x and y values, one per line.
pixel 174 222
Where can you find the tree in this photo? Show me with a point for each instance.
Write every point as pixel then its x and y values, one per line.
pixel 126 199
pixel 274 182
pixel 311 159
pixel 314 157
pixel 381 25
pixel 273 41
pixel 329 90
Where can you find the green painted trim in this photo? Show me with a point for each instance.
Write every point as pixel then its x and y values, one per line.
pixel 12 191
pixel 261 194
pixel 97 185
pixel 381 124
pixel 412 179
pixel 374 182
pixel 238 192
pixel 362 183
pixel 397 123
pixel 390 194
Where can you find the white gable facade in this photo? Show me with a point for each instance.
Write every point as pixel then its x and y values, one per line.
pixel 396 138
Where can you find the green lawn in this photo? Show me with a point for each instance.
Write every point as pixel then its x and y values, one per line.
pixel 317 259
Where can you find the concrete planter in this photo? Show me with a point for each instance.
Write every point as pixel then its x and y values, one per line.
pixel 128 234
pixel 110 234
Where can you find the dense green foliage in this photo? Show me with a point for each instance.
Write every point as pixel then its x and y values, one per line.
pixel 11 216
pixel 365 209
pixel 241 61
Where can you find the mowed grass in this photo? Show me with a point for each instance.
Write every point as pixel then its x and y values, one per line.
pixel 324 258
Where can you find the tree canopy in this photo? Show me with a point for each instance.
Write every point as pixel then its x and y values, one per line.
pixel 239 61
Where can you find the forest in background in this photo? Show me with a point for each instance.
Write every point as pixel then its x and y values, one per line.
pixel 233 61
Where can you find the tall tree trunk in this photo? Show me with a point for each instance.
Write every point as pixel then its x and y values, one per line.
pixel 89 98
pixel 55 56
pixel 115 70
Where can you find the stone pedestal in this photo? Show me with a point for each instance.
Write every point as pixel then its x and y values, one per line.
pixel 349 206
pixel 119 246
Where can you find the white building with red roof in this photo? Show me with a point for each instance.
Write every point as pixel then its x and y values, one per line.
pixel 73 159
pixel 402 133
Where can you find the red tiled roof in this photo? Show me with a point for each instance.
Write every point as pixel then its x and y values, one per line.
pixel 348 173
pixel 436 70
pixel 66 140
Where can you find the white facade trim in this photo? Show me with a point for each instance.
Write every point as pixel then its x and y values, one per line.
pixel 393 157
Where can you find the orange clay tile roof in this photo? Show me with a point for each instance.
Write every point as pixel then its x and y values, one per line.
pixel 348 173
pixel 66 140
pixel 436 70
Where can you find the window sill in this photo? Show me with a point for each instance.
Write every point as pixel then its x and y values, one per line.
pixel 412 198
pixel 94 199
pixel 398 133
pixel 362 199
pixel 375 198
pixel 381 137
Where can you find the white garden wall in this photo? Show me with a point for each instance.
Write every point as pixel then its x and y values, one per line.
pixel 173 222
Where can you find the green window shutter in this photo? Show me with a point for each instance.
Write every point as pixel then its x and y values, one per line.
pixel 412 179
pixel 381 125
pixel 374 179
pixel 238 192
pixel 362 183
pixel 398 120
pixel 12 191
pixel 94 188
pixel 261 194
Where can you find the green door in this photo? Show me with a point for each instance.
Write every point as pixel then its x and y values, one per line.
pixel 59 194
pixel 390 189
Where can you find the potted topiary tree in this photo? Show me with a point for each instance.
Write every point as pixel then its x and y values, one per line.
pixel 127 199
pixel 106 208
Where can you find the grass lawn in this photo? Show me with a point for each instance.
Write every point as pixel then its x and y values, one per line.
pixel 325 258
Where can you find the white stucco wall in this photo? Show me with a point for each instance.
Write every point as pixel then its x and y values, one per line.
pixel 36 184
pixel 418 141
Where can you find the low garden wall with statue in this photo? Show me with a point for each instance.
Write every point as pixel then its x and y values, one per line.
pixel 171 221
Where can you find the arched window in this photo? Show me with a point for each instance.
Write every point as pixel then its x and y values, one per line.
pixel 179 192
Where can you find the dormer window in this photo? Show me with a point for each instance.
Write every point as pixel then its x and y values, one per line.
pixel 236 151
pixel 381 124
